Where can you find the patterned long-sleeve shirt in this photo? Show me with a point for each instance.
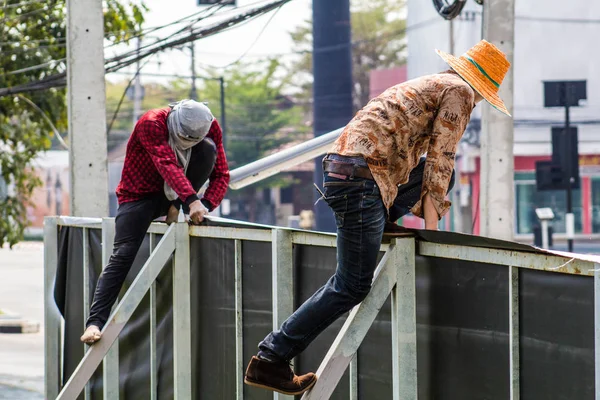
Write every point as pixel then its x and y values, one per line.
pixel 150 161
pixel 423 115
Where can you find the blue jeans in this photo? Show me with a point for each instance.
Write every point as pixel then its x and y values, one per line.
pixel 360 218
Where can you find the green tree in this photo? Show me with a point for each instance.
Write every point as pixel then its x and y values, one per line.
pixel 259 120
pixel 378 37
pixel 32 34
pixel 156 95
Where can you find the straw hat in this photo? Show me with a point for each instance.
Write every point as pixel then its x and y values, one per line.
pixel 483 66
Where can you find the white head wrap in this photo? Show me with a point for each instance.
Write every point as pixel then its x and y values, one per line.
pixel 189 122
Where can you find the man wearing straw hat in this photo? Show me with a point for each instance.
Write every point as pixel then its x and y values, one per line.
pixel 376 152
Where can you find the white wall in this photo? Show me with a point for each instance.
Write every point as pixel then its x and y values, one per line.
pixel 544 50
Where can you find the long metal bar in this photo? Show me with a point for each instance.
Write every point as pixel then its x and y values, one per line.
pixel 355 329
pixel 218 232
pixel 80 222
pixel 271 165
pixel 153 359
pixel 52 323
pixel 86 292
pixel 239 326
pixel 404 323
pixel 314 238
pixel 110 370
pixel 597 329
pixel 518 259
pixel 354 377
pixel 182 330
pixel 158 228
pixel 120 316
pixel 283 282
pixel 513 292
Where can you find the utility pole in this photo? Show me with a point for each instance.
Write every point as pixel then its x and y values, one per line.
pixel 193 91
pixel 332 87
pixel 137 88
pixel 223 125
pixel 496 208
pixel 86 102
pixel 570 219
pixel 456 207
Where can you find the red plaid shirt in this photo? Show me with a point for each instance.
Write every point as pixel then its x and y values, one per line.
pixel 150 160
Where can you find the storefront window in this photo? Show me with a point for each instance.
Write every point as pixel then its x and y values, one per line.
pixel 596 205
pixel 528 199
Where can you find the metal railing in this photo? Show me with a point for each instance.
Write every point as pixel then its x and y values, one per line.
pixel 175 239
pixel 395 275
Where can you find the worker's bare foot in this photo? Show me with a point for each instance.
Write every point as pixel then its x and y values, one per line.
pixel 172 215
pixel 91 335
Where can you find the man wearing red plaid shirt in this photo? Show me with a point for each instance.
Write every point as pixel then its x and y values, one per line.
pixel 170 155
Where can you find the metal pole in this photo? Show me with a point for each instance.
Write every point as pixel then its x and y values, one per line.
pixel 545 244
pixel 282 281
pixel 87 108
pixel 52 319
pixel 597 330
pixel 222 82
pixel 332 86
pixel 496 208
pixel 193 91
pixel 570 220
pixel 137 88
pixel 182 330
pixel 110 365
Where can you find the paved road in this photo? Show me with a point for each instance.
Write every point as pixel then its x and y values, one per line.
pixel 21 292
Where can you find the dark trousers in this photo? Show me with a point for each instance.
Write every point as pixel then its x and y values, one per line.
pixel 131 223
pixel 410 192
pixel 360 218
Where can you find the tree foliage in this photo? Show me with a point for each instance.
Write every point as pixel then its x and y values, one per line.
pixel 378 41
pixel 259 121
pixel 33 34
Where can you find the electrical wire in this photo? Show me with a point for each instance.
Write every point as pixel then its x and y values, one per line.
pixel 254 42
pixel 48 120
pixel 35 67
pixel 24 3
pixel 30 13
pixel 59 79
pixel 112 121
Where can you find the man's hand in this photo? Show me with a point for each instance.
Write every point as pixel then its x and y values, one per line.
pixel 197 212
pixel 430 214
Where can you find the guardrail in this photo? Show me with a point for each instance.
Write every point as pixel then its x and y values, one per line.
pixel 175 239
pixel 395 275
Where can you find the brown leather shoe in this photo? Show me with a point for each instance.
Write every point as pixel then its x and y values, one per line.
pixel 277 376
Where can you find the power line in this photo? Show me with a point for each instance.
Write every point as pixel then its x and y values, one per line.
pixel 255 40
pixel 24 3
pixel 59 79
pixel 196 34
pixel 35 67
pixel 112 121
pixel 33 12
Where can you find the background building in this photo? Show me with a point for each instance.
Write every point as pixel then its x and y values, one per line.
pixel 553 41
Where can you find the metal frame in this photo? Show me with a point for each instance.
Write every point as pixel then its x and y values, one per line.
pixel 110 365
pixel 52 318
pixel 395 275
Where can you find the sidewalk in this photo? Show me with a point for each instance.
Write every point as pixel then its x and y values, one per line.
pixel 22 292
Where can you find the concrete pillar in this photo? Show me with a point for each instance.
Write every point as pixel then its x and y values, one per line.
pixel 496 207
pixel 87 109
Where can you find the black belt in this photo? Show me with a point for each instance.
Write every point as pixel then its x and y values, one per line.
pixel 349 170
